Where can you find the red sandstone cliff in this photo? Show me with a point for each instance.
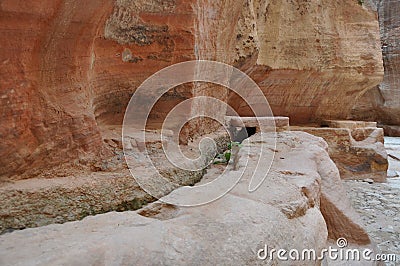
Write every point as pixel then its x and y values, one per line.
pixel 382 103
pixel 311 58
pixel 69 67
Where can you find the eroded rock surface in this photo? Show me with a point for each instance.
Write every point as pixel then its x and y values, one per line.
pixel 356 147
pixel 301 201
pixel 58 199
pixel 382 102
pixel 312 59
pixel 69 67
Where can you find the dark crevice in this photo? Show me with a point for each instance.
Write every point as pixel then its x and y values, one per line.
pixel 240 134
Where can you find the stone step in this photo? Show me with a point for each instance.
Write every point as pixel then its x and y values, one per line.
pixel 348 124
pixel 262 124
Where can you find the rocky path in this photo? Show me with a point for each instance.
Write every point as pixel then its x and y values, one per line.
pixel 379 205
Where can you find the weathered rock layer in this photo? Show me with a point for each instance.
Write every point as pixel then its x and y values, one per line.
pixel 356 147
pixel 301 201
pixel 382 103
pixel 312 59
pixel 69 67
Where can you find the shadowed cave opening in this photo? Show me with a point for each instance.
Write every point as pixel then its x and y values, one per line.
pixel 242 133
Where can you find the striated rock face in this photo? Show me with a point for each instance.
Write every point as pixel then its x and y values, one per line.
pixel 311 58
pixel 301 201
pixel 69 67
pixel 45 89
pixel 382 103
pixel 68 70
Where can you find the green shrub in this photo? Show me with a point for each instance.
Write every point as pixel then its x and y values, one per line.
pixel 224 158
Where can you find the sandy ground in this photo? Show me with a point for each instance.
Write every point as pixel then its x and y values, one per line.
pixel 379 204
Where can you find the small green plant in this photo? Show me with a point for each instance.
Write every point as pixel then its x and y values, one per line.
pixel 224 158
pixel 227 156
pixel 360 2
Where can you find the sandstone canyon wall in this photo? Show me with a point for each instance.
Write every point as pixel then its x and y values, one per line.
pixel 312 59
pixel 47 93
pixel 69 67
pixel 382 103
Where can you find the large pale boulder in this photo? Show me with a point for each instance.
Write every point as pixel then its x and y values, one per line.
pixel 296 207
